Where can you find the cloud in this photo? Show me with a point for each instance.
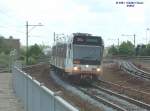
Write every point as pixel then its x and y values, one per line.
pixel 65 16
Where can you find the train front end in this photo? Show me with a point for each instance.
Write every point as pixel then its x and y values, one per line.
pixel 87 56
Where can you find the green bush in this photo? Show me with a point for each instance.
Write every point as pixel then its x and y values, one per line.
pixel 32 60
pixel 126 48
pixel 4 59
pixel 113 50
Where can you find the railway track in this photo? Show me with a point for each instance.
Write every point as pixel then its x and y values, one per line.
pixel 115 101
pixel 143 58
pixel 132 69
pixel 137 94
pixel 129 99
pixel 109 99
pixel 101 99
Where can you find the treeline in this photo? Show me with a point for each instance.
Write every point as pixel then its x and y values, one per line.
pixel 34 52
pixel 128 49
pixel 3 47
pixel 143 50
pixel 4 52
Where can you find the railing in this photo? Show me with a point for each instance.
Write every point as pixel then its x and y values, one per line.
pixel 35 96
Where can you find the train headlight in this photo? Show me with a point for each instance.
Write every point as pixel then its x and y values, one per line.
pixel 87 66
pixel 75 68
pixel 98 69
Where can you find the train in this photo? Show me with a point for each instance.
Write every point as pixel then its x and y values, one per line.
pixel 78 55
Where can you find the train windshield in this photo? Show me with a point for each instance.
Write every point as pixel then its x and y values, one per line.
pixel 87 54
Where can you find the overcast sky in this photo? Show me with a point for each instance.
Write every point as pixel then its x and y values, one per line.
pixel 98 17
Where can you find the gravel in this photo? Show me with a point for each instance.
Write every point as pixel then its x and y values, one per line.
pixel 113 74
pixel 76 92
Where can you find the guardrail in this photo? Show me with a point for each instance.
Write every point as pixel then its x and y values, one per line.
pixel 35 96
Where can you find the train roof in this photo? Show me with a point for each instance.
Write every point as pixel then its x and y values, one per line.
pixel 84 35
pixel 70 38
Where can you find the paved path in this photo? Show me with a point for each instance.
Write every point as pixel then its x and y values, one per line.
pixel 8 101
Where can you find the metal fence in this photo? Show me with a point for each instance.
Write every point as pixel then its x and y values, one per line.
pixel 35 96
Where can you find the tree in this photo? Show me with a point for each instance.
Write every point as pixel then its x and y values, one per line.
pixel 1 43
pixel 113 50
pixel 35 50
pixel 141 50
pixel 22 53
pixel 148 50
pixel 4 48
pixel 126 48
pixel 34 53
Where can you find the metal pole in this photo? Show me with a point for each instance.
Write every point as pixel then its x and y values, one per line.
pixel 27 64
pixel 147 34
pixel 146 37
pixel 27 42
pixel 118 42
pixel 54 37
pixel 134 40
pixel 27 35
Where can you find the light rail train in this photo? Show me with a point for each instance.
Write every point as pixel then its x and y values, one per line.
pixel 79 55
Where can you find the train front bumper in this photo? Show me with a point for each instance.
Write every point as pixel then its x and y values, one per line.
pixel 87 70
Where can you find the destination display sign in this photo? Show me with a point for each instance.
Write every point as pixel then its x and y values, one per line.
pixel 87 40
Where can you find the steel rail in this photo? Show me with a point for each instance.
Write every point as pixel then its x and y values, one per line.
pixel 131 100
pixel 146 74
pixel 120 86
pixel 131 68
pixel 104 101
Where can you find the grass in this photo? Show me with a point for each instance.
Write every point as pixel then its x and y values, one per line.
pixel 4 60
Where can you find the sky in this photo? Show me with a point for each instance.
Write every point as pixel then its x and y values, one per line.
pixel 105 18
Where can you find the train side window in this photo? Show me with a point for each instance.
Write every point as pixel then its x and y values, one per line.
pixel 69 53
pixel 69 47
